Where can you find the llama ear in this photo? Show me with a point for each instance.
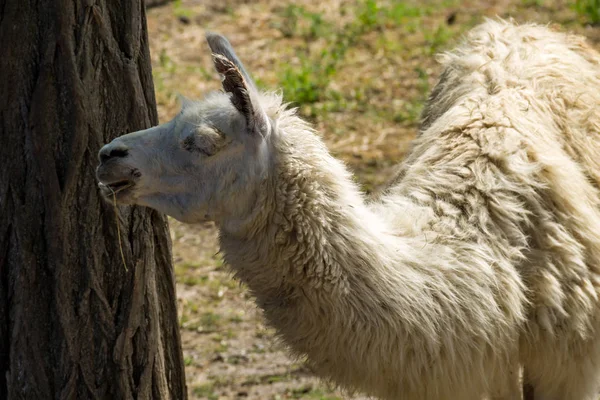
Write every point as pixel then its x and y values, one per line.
pixel 221 46
pixel 237 82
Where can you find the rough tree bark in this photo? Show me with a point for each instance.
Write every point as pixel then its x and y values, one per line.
pixel 74 324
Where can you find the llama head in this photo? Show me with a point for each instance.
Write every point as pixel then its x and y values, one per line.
pixel 206 163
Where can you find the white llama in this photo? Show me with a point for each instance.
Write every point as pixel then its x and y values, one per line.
pixel 482 256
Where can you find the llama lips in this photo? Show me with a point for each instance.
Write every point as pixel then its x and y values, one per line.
pixel 116 187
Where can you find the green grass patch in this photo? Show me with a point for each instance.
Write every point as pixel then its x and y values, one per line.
pixel 411 110
pixel 438 39
pixel 307 82
pixel 588 9
pixel 180 11
pixel 191 280
pixel 205 322
pixel 206 390
pixel 308 392
pixel 533 3
pixel 166 63
pixel 297 21
pixel 236 319
pixel 210 320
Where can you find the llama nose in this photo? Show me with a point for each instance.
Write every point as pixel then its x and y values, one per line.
pixel 112 150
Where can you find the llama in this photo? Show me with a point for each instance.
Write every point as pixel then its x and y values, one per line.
pixel 480 258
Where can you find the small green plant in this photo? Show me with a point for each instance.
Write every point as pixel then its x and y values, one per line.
pixel 270 379
pixel 180 11
pixel 205 391
pixel 411 110
pixel 230 334
pixel 166 63
pixel 308 392
pixel 236 319
pixel 210 321
pixel 183 320
pixel 191 280
pixel 297 21
pixel 400 12
pixel 369 15
pixel 305 83
pixel 423 81
pixel 589 9
pixel 309 82
pixel 437 39
pixel 533 3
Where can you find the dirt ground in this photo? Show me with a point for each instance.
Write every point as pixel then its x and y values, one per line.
pixel 360 71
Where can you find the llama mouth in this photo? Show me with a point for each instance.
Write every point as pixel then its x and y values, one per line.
pixel 117 187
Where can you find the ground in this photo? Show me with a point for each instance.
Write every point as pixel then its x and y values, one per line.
pixel 360 71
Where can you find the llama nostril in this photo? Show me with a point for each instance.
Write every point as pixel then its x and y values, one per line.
pixel 108 152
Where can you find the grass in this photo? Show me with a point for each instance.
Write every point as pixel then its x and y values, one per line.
pixel 210 320
pixel 236 319
pixel 438 39
pixel 206 322
pixel 308 392
pixel 533 3
pixel 300 22
pixel 180 11
pixel 410 112
pixel 309 81
pixel 192 280
pixel 588 9
pixel 205 391
pixel 186 274
pixel 268 379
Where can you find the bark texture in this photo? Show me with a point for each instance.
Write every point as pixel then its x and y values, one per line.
pixel 74 324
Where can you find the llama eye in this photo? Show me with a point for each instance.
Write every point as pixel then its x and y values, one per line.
pixel 189 144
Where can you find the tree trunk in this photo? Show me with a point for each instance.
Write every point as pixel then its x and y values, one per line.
pixel 74 323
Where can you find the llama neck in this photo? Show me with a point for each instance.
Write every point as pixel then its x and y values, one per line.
pixel 312 246
pixel 346 287
pixel 310 219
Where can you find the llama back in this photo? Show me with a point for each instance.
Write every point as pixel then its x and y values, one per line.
pixel 507 157
pixel 557 74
